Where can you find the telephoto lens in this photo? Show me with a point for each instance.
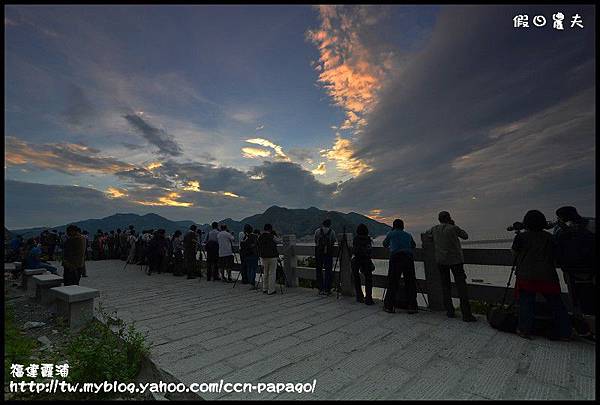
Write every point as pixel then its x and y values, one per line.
pixel 517 226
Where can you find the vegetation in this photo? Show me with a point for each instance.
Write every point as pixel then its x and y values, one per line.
pixel 106 352
pixel 18 347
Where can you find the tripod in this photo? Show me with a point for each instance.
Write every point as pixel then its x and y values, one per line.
pixel 239 272
pixel 284 277
pixel 344 241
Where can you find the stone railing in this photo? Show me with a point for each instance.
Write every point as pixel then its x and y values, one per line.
pixel 431 285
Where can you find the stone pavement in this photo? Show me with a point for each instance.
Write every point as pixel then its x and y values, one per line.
pixel 202 332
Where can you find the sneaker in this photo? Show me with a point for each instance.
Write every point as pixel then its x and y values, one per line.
pixel 469 318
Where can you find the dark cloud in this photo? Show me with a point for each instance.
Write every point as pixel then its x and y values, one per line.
pixel 166 144
pixel 79 111
pixel 487 120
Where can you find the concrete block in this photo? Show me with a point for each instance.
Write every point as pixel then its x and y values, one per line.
pixel 42 284
pixel 75 304
pixel 27 274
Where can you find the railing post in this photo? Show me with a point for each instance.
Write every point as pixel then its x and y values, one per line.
pixel 433 279
pixel 345 244
pixel 290 260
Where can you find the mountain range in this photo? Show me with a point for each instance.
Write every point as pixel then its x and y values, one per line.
pixel 300 222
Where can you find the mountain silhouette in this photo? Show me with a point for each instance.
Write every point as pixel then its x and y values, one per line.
pixel 300 222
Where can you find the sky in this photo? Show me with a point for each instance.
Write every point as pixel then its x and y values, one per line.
pixel 207 112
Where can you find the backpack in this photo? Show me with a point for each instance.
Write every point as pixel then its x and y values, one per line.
pixel 324 246
pixel 577 248
pixel 249 245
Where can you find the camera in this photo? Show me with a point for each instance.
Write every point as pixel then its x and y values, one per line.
pixel 518 226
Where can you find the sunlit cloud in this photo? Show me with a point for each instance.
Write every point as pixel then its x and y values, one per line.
pixel 63 157
pixel 230 194
pixel 279 154
pixel 253 153
pixel 257 177
pixel 114 192
pixel 192 185
pixel 342 153
pixel 258 128
pixel 169 200
pixel 348 70
pixel 320 170
pixel 153 165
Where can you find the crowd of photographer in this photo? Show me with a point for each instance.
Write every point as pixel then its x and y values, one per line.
pixel 537 253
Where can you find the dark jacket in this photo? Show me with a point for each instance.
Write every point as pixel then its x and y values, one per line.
pixel 535 256
pixel 362 247
pixel 249 245
pixel 74 252
pixel 267 247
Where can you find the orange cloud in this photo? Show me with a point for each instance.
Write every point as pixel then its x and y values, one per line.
pixel 114 192
pixel 153 165
pixel 342 153
pixel 348 70
pixel 64 157
pixel 168 200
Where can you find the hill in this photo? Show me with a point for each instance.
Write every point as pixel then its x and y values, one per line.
pixel 300 222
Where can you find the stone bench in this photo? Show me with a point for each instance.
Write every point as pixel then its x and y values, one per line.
pixel 28 274
pixel 75 304
pixel 39 287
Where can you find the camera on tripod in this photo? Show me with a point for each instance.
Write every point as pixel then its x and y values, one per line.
pixel 518 226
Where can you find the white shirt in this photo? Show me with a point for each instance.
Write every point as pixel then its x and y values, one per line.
pixel 225 240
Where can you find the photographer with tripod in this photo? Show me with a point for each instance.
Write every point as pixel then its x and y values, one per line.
pixel 362 263
pixel 324 243
pixel 249 255
pixel 535 264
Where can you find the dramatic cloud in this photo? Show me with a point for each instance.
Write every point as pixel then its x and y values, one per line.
pixel 253 153
pixel 279 154
pixel 465 120
pixel 166 144
pixel 63 157
pixel 343 154
pixel 351 72
pixel 320 170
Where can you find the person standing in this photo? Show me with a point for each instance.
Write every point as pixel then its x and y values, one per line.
pixel 324 243
pixel 177 247
pixel 243 266
pixel 401 245
pixel 249 247
pixel 73 256
pixel 362 263
pixel 190 243
pixel 131 241
pixel 575 238
pixel 225 239
pixel 157 252
pixel 535 270
pixel 267 249
pixel 449 257
pixel 211 245
pixel 52 242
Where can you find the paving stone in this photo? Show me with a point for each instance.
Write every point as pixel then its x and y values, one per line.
pixel 434 382
pixel 550 365
pixel 204 332
pixel 490 377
